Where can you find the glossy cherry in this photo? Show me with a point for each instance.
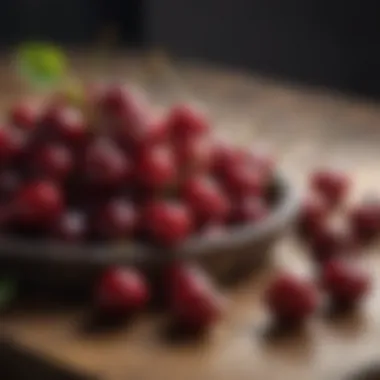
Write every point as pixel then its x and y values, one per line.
pixel 333 185
pixel 156 168
pixel 38 202
pixel 291 299
pixel 53 161
pixel 205 199
pixel 167 223
pixel 105 165
pixel 116 220
pixel 121 291
pixel 194 300
pixel 345 282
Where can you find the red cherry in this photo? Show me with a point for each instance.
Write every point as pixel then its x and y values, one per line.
pixel 331 240
pixel 115 220
pixel 193 154
pixel 365 220
pixel 24 116
pixel 224 157
pixel 194 299
pixel 248 210
pixel 205 199
pixel 332 185
pixel 38 202
pixel 345 282
pixel 186 122
pixel 241 181
pixel 117 100
pixel 53 161
pixel 9 183
pixel 11 144
pixel 167 223
pixel 105 165
pixel 313 215
pixel 71 227
pixel 66 123
pixel 155 168
pixel 291 299
pixel 121 291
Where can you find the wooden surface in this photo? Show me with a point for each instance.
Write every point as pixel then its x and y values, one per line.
pixel 305 128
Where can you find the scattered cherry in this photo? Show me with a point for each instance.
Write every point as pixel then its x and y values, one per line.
pixel 194 299
pixel 332 240
pixel 121 291
pixel 167 223
pixel 290 299
pixel 333 185
pixel 365 220
pixel 345 282
pixel 313 215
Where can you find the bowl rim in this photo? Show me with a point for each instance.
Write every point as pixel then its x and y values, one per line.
pixel 136 253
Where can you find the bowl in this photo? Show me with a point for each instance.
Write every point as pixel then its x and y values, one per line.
pixel 227 258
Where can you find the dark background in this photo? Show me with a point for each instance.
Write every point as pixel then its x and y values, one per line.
pixel 333 43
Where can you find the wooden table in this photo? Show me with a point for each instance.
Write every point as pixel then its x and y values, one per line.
pixel 305 128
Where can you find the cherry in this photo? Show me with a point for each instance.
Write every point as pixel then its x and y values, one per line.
pixel 332 240
pixel 313 215
pixel 193 154
pixel 242 181
pixel 167 223
pixel 205 199
pixel 184 122
pixel 71 227
pixel 53 161
pixel 345 282
pixel 224 157
pixel 9 183
pixel 23 116
pixel 365 220
pixel 38 202
pixel 105 165
pixel 248 210
pixel 117 100
pixel 11 144
pixel 66 124
pixel 121 291
pixel 333 185
pixel 155 168
pixel 290 299
pixel 194 299
pixel 115 220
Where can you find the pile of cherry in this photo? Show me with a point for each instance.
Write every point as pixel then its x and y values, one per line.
pixel 108 169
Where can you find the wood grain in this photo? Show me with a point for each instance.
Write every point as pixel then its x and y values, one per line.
pixel 306 128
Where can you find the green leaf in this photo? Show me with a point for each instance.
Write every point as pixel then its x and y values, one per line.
pixel 8 289
pixel 41 64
